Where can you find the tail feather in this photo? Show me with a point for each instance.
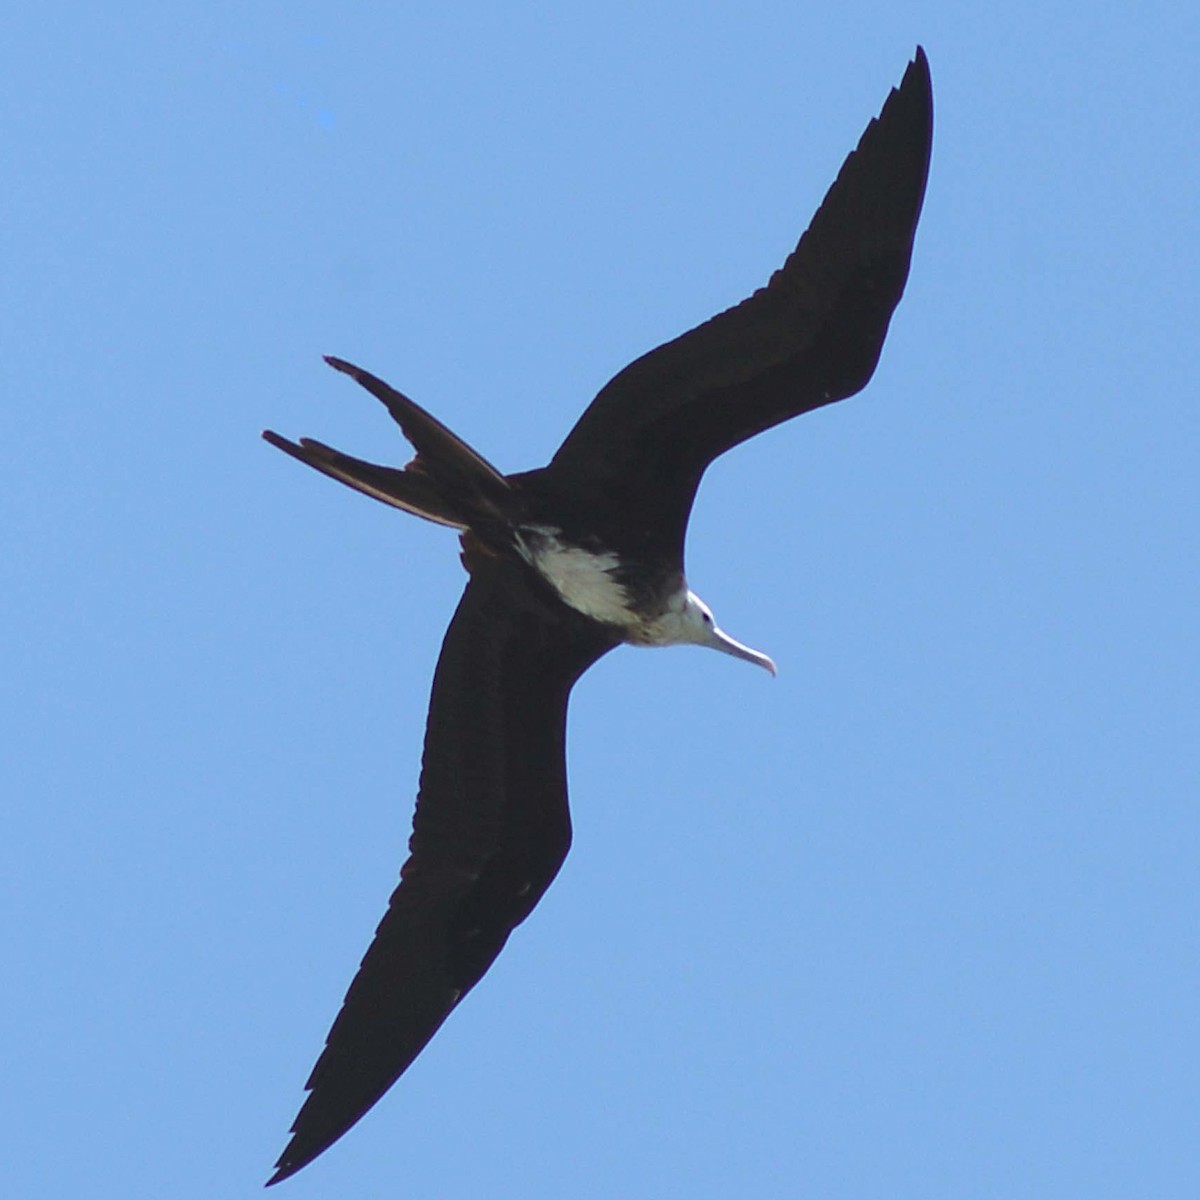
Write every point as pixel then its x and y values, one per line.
pixel 447 482
pixel 441 451
pixel 407 490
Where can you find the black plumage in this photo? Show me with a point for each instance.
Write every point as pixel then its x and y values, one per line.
pixel 492 827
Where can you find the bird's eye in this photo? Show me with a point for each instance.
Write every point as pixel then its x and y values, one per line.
pixel 706 618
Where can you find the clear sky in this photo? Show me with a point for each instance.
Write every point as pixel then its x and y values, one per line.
pixel 917 919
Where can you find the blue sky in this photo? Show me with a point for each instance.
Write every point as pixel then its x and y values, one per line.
pixel 916 919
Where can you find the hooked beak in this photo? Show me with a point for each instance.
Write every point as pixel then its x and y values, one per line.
pixel 720 640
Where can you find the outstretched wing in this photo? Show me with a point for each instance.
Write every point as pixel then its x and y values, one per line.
pixel 811 336
pixel 490 833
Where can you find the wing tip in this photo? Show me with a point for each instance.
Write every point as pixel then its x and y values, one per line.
pixel 917 78
pixel 282 1172
pixel 294 1159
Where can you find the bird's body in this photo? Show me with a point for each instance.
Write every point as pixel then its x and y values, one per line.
pixel 569 561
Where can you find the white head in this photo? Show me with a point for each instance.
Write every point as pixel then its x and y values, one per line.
pixel 696 625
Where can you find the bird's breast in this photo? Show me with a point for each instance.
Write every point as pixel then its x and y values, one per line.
pixel 589 581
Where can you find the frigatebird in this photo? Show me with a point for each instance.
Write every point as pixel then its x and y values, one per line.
pixel 569 561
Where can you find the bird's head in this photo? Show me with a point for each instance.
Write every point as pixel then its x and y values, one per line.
pixel 696 625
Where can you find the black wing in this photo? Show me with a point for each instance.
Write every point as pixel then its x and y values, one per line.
pixel 811 336
pixel 490 833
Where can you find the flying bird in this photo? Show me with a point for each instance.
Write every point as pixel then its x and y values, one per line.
pixel 569 561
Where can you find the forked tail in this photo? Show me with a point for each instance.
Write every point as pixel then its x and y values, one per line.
pixel 446 482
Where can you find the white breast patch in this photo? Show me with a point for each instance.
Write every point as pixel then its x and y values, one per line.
pixel 584 580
